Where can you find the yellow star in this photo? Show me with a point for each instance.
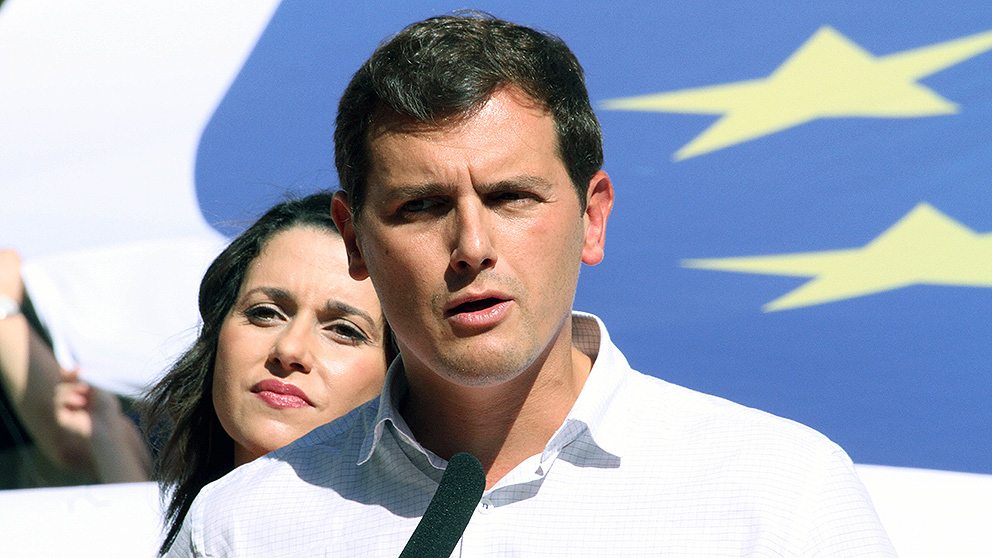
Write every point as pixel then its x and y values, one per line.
pixel 830 76
pixel 925 247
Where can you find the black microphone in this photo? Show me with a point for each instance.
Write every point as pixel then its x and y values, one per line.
pixel 450 509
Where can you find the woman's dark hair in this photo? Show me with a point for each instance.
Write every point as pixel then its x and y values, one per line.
pixel 448 67
pixel 179 409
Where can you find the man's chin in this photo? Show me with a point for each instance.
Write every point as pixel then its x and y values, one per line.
pixel 482 365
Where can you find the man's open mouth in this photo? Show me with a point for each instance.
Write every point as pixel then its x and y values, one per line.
pixel 475 305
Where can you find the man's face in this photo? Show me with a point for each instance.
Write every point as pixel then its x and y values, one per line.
pixel 473 235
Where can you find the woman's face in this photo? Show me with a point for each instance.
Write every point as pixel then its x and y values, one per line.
pixel 302 345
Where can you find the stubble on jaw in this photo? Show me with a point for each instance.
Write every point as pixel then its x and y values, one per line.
pixel 499 364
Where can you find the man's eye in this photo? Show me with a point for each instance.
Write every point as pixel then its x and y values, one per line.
pixel 511 196
pixel 421 205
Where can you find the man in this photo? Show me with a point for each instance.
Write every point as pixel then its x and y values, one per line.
pixel 470 158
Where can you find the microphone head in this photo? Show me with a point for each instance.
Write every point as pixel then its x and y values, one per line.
pixel 450 509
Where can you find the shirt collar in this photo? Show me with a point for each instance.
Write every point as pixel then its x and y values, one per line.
pixel 393 390
pixel 597 412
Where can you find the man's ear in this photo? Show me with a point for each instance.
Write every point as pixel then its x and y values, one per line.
pixel 341 213
pixel 599 203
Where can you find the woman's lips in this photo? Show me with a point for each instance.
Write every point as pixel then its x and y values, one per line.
pixel 281 395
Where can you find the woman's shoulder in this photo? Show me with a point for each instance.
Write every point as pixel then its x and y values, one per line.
pixel 315 459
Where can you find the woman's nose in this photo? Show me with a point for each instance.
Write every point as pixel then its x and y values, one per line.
pixel 293 351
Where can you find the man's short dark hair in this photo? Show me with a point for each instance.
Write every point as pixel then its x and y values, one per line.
pixel 448 67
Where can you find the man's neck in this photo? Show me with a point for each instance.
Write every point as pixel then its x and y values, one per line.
pixel 503 424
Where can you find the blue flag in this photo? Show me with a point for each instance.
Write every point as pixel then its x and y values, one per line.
pixel 802 221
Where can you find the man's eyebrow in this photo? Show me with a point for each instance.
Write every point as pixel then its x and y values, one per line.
pixel 525 180
pixel 411 191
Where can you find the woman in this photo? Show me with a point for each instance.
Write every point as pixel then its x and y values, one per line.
pixel 289 342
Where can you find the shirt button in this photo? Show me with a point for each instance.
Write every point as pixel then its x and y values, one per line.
pixel 486 506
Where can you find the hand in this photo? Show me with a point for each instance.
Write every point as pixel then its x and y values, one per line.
pixel 11 283
pixel 80 410
pixel 101 438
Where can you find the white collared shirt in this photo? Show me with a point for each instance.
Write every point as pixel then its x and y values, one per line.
pixel 640 467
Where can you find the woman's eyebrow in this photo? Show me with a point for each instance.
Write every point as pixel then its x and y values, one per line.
pixel 274 293
pixel 343 308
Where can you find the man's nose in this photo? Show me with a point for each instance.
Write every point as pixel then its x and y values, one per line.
pixel 473 249
pixel 293 351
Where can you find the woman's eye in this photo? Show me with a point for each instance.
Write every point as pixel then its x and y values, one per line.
pixel 348 331
pixel 262 314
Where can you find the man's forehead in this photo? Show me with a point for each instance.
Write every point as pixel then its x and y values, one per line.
pixel 392 123
pixel 386 120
